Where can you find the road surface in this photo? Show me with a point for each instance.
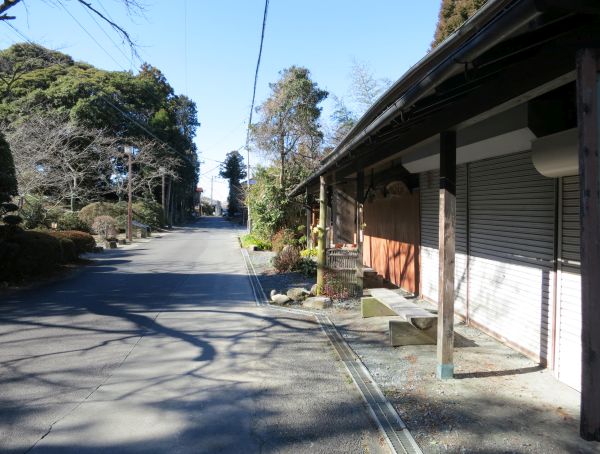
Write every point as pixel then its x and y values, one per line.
pixel 161 348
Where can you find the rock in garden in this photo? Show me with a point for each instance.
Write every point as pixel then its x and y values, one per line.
pixel 317 302
pixel 297 293
pixel 279 298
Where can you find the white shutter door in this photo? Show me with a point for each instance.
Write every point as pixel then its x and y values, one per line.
pixel 569 307
pixel 460 261
pixel 511 236
pixel 429 187
pixel 430 195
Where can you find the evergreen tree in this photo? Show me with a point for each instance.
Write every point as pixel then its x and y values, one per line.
pixel 233 170
pixel 454 13
pixel 289 127
pixel 8 180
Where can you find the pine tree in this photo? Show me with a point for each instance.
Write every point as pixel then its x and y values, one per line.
pixel 233 170
pixel 454 13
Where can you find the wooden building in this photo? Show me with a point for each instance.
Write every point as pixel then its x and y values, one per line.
pixel 474 180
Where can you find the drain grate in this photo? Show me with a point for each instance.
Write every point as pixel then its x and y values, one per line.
pixel 383 413
pixel 259 295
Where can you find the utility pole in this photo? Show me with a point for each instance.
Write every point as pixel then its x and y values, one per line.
pixel 211 189
pixel 162 199
pixel 129 153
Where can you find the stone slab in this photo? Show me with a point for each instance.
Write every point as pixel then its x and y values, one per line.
pixel 404 333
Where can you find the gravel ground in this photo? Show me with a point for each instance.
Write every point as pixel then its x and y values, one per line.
pixel 270 279
pixel 499 402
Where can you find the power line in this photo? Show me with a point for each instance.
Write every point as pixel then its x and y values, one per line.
pixel 262 38
pixel 90 35
pixel 130 59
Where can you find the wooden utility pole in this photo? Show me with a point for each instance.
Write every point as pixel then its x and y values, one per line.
pixel 322 235
pixel 360 194
pixel 588 115
pixel 129 196
pixel 447 223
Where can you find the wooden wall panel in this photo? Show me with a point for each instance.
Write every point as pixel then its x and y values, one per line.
pixel 391 241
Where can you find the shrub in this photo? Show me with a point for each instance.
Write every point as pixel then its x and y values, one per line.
pixel 148 212
pixel 91 211
pixel 32 212
pixel 8 207
pixel 69 250
pixel 286 259
pixel 282 238
pixel 252 240
pixel 334 286
pixel 306 266
pixel 12 219
pixel 28 253
pixel 69 220
pixel 308 253
pixel 84 242
pixel 105 226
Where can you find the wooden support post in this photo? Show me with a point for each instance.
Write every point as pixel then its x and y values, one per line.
pixel 322 235
pixel 360 193
pixel 447 222
pixel 588 115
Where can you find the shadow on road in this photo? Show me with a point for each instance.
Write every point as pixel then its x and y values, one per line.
pixel 65 341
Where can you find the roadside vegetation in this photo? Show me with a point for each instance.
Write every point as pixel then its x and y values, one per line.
pixel 70 133
pixel 293 137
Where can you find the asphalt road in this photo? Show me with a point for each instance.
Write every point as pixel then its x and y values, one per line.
pixel 161 348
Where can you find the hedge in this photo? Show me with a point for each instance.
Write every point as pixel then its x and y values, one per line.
pixel 28 253
pixel 84 242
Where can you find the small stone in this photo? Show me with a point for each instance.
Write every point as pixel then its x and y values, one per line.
pixel 317 302
pixel 279 298
pixel 297 293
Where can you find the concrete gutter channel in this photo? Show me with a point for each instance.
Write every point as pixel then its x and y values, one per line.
pixel 385 417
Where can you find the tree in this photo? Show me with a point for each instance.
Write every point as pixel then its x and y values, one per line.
pixel 365 89
pixel 233 170
pixel 453 13
pixel 59 158
pixel 343 120
pixel 138 109
pixel 289 124
pixel 8 179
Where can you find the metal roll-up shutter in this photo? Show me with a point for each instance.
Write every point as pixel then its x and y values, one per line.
pixel 511 245
pixel 430 196
pixel 461 257
pixel 568 347
pixel 429 187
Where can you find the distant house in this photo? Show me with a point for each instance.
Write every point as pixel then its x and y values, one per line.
pixel 493 138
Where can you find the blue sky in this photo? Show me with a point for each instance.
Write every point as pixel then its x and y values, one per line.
pixel 208 50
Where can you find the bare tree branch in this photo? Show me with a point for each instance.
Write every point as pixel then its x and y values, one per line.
pixel 131 5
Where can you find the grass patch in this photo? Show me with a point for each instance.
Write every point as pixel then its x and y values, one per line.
pixel 251 240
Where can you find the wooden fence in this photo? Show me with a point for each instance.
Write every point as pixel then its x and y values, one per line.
pixel 340 275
